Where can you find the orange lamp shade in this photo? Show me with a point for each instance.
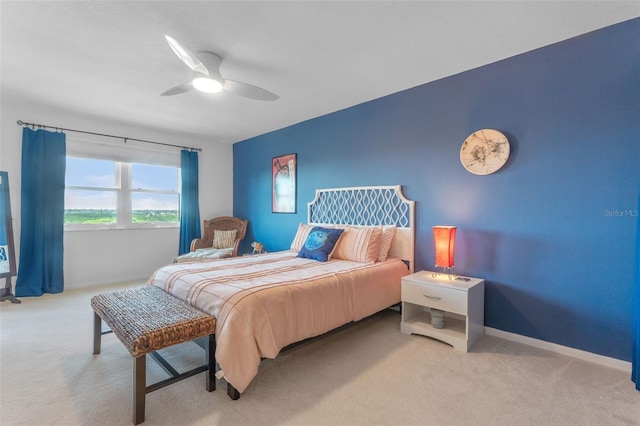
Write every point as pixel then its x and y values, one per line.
pixel 444 237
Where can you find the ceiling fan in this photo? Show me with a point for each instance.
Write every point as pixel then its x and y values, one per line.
pixel 207 78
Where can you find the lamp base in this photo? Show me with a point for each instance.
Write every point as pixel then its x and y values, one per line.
pixel 443 270
pixel 437 318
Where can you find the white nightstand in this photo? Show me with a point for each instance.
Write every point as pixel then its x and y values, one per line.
pixel 461 298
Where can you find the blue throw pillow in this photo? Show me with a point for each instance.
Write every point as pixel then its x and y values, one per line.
pixel 320 243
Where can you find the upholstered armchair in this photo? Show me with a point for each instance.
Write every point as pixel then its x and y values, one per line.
pixel 221 224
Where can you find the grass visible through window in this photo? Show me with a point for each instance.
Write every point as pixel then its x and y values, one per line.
pixel 104 216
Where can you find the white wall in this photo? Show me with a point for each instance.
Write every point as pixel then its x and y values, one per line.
pixel 100 257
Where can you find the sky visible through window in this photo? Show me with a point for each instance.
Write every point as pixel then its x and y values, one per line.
pixel 89 172
pixel 102 174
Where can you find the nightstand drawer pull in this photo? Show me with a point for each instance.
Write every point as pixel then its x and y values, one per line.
pixel 432 297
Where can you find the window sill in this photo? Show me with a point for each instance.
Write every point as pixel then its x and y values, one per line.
pixel 113 227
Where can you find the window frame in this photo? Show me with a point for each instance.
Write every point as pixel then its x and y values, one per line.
pixel 124 191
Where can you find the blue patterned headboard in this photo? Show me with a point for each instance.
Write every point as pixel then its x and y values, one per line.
pixel 369 206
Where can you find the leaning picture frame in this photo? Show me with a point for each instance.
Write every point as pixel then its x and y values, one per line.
pixel 283 179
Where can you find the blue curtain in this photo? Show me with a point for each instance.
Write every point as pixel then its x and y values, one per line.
pixel 41 213
pixel 635 354
pixel 189 205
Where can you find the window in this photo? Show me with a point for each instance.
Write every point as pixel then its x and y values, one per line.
pixel 106 194
pixel 154 194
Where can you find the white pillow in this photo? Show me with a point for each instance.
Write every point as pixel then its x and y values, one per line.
pixel 385 242
pixel 301 237
pixel 359 244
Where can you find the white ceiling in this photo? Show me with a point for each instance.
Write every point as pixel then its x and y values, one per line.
pixel 110 59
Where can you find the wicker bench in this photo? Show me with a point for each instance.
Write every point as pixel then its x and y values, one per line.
pixel 146 320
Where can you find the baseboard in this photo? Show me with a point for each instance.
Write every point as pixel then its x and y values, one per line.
pixel 95 285
pixel 564 350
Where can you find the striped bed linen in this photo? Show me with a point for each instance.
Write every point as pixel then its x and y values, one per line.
pixel 265 302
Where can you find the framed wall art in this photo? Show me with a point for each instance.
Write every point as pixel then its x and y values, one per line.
pixel 283 188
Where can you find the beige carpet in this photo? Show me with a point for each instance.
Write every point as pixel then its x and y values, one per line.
pixel 366 374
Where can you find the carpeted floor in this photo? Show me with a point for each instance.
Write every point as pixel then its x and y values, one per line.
pixel 366 374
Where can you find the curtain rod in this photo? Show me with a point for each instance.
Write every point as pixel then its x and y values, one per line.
pixel 44 126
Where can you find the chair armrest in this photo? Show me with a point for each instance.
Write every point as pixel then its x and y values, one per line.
pixel 198 243
pixel 236 246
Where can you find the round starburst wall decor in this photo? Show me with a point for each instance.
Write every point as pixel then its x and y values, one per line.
pixel 484 151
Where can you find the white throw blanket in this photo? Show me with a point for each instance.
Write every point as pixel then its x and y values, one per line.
pixel 205 253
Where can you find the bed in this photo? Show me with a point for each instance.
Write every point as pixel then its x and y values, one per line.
pixel 263 303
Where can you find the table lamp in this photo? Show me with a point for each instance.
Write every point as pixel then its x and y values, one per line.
pixel 444 238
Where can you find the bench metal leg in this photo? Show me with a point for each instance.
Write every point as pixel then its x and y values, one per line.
pixel 97 332
pixel 139 388
pixel 210 361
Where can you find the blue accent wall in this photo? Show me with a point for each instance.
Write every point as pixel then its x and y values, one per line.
pixel 553 232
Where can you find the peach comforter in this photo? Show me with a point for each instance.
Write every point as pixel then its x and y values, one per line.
pixel 265 302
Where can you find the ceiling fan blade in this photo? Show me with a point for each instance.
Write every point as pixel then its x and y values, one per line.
pixel 249 91
pixel 178 89
pixel 186 55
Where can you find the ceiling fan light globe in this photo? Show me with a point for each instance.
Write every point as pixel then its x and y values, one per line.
pixel 207 85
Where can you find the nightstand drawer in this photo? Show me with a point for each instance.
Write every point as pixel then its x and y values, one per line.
pixel 462 296
pixel 435 296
